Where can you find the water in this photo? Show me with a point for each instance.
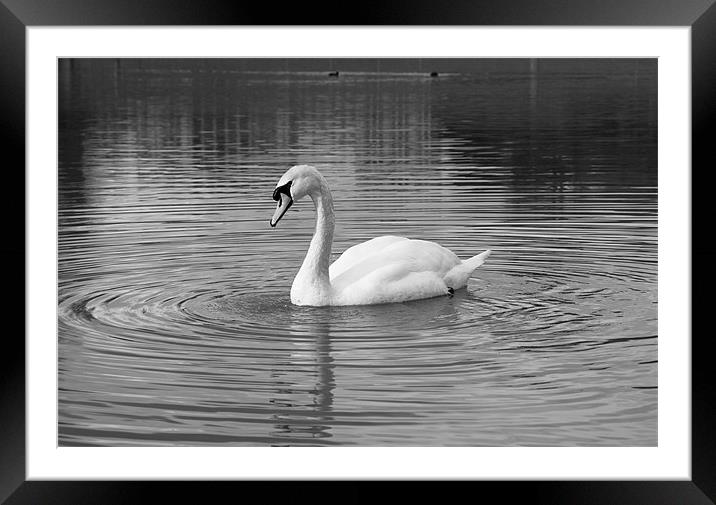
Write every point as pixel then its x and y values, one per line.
pixel 174 321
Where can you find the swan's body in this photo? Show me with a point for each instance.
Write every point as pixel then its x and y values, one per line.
pixel 382 270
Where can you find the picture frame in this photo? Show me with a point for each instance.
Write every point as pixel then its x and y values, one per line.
pixel 16 16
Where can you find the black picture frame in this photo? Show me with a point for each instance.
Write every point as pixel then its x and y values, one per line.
pixel 700 15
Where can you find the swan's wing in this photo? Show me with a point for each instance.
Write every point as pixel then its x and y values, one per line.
pixel 403 270
pixel 359 252
pixel 389 283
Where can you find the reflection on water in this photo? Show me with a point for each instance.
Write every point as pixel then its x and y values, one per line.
pixel 175 325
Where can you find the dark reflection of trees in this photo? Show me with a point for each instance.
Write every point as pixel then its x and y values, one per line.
pixel 219 114
pixel 70 118
pixel 531 125
pixel 558 124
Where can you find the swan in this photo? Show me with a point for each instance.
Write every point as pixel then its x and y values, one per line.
pixel 382 270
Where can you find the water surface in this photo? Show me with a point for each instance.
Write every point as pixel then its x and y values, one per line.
pixel 174 321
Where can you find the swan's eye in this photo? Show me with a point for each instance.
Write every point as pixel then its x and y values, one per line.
pixel 285 189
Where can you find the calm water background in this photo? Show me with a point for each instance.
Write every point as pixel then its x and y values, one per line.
pixel 174 319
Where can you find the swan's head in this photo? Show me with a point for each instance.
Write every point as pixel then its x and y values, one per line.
pixel 296 183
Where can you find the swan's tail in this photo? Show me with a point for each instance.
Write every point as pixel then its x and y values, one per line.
pixel 476 261
pixel 458 276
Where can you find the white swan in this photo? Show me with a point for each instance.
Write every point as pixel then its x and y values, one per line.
pixel 382 270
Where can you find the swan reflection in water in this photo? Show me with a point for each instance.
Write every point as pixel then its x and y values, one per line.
pixel 368 340
pixel 304 381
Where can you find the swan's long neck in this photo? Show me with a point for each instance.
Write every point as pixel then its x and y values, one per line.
pixel 319 252
pixel 313 274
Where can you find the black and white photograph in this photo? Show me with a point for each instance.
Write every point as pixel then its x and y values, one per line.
pixel 393 252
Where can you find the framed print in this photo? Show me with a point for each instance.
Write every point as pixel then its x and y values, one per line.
pixel 537 332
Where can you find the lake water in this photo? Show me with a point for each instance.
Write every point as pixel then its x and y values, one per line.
pixel 175 325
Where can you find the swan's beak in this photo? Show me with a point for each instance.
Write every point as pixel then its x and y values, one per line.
pixel 283 205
